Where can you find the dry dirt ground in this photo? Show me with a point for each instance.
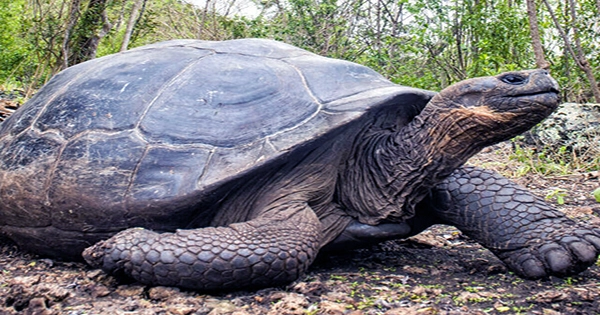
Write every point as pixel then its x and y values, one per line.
pixel 437 272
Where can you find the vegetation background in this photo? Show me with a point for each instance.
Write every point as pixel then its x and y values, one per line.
pixel 423 43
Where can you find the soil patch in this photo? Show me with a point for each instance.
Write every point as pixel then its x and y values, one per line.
pixel 437 272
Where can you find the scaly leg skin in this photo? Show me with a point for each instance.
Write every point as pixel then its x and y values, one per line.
pixel 258 253
pixel 531 237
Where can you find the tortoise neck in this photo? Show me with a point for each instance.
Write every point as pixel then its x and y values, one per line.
pixel 435 143
pixel 396 170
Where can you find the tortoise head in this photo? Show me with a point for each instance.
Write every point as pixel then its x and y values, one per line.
pixel 501 106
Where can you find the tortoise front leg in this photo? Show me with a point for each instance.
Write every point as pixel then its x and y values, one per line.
pixel 531 237
pixel 258 253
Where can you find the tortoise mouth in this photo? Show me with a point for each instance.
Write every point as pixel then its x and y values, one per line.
pixel 550 90
pixel 549 97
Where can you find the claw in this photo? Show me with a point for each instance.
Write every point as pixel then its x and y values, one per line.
pixel 559 261
pixel 533 269
pixel 586 253
pixel 595 240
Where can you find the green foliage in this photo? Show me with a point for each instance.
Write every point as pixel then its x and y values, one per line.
pixel 551 161
pixel 596 194
pixel 426 44
pixel 14 49
pixel 557 194
pixel 544 161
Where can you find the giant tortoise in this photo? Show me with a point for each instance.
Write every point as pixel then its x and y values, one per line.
pixel 223 165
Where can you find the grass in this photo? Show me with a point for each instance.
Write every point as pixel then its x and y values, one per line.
pixel 553 161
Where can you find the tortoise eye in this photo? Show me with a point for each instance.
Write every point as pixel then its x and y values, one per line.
pixel 514 79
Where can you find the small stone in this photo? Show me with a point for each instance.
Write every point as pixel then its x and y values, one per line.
pixel 100 291
pixel 290 304
pixel 26 281
pixel 37 306
pixel 548 311
pixel 310 288
pixel 332 308
pixel 419 290
pixel 338 297
pixel 550 296
pixel 180 310
pixel 130 290
pixel 94 274
pixel 415 270
pixel 219 307
pixel 162 293
pixel 53 291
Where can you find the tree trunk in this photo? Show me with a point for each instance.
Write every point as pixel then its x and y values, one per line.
pixel 582 60
pixel 74 14
pixel 538 50
pixel 578 55
pixel 131 24
pixel 91 28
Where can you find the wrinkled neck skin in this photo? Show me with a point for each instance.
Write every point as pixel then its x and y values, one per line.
pixel 390 172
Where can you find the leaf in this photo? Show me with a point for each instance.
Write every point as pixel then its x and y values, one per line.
pixel 596 194
pixel 502 309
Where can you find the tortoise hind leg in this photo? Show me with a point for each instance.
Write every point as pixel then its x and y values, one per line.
pixel 261 252
pixel 531 237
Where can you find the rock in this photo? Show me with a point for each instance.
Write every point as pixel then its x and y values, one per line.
pixel 413 310
pixel 310 288
pixel 95 274
pixel 7 107
pixel 162 293
pixel 550 296
pixel 415 270
pixel 26 281
pixel 130 290
pixel 574 126
pixel 429 239
pixel 37 306
pixel 100 291
pixel 338 297
pixel 290 304
pixel 332 308
pixel 180 310
pixel 53 292
pixel 548 311
pixel 220 307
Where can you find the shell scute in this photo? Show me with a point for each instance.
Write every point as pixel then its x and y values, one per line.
pixel 251 47
pixel 92 176
pixel 116 94
pixel 229 101
pixel 333 79
pixel 26 165
pixel 167 172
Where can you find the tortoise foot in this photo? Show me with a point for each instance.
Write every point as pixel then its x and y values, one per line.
pixel 569 250
pixel 257 253
pixel 529 235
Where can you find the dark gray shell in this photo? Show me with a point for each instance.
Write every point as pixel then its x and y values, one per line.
pixel 169 120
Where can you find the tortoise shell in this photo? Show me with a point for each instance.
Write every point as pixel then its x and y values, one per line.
pixel 138 138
